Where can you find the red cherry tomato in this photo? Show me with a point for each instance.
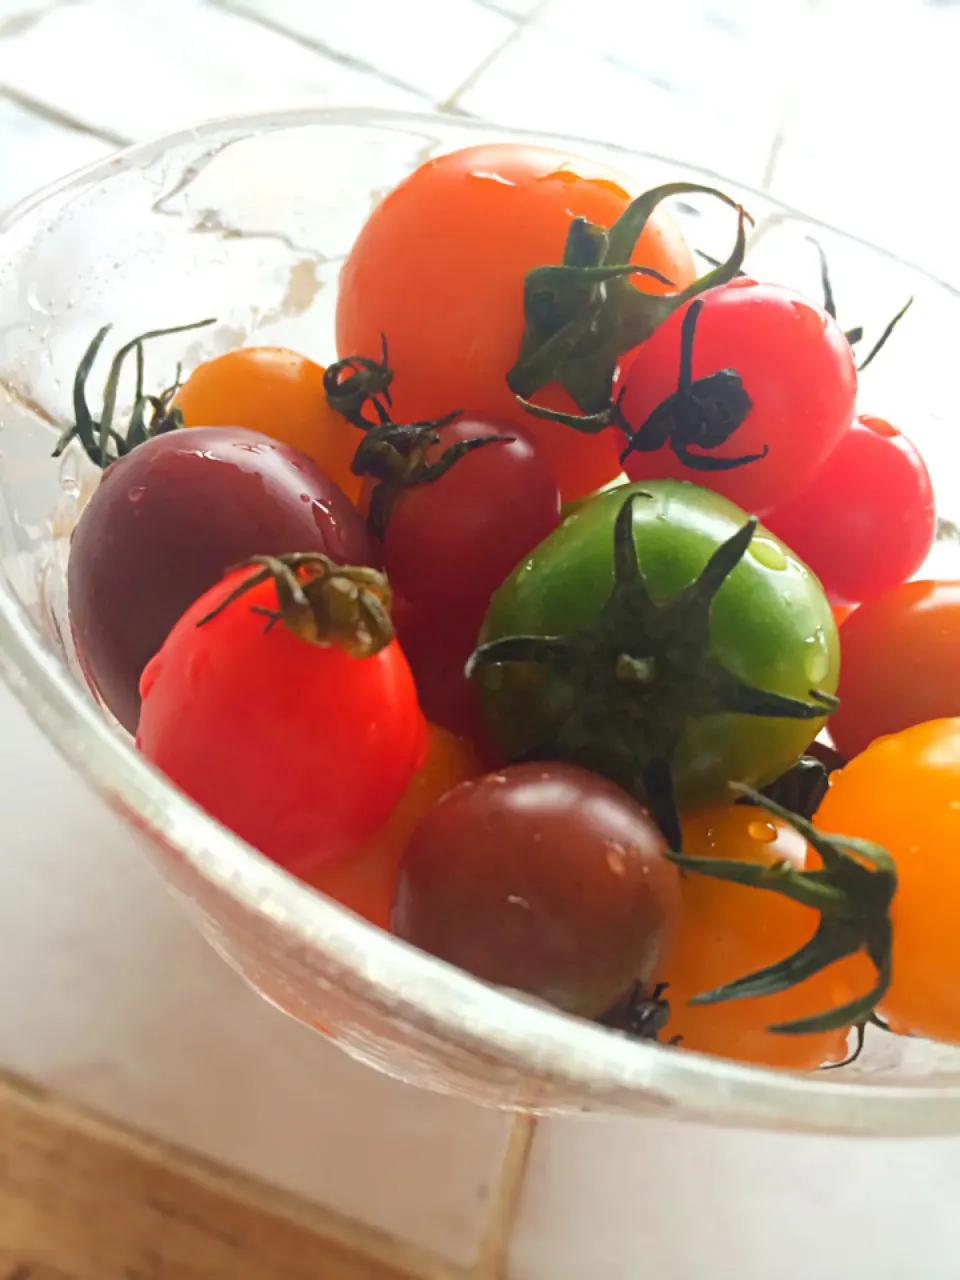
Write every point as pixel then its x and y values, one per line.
pixel 302 750
pixel 439 269
pixel 796 367
pixel 866 520
pixel 899 664
pixel 450 543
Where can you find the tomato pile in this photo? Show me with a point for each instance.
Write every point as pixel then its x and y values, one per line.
pixel 475 628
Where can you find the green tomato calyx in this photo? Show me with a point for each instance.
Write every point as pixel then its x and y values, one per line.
pixel 582 314
pixel 634 680
pixel 151 415
pixel 320 602
pixel 852 892
pixel 801 789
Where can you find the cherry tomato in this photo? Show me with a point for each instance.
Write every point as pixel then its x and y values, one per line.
pixel 168 519
pixel 438 656
pixel 903 793
pixel 439 269
pixel 366 881
pixel 544 878
pixel 302 749
pixel 450 543
pixel 900 663
pixel 866 520
pixel 728 930
pixel 645 664
pixel 795 366
pixel 280 394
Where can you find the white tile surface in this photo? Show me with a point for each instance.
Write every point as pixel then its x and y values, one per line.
pixel 622 1200
pixel 36 151
pixel 109 995
pixel 431 45
pixel 548 78
pixel 149 66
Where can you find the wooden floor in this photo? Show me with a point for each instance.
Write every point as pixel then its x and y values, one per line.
pixel 83 1200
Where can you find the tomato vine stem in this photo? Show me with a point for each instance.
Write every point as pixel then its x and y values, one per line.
pixel 852 892
pixel 583 313
pixel 100 440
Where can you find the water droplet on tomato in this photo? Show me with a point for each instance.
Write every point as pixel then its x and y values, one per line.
pixel 768 553
pixel 816 657
pixel 764 832
pixel 135 494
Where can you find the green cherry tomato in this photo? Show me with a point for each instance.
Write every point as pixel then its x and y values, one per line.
pixel 650 671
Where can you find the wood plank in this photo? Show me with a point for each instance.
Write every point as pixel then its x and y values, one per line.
pixel 82 1199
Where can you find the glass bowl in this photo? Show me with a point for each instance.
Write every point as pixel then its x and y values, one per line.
pixel 249 220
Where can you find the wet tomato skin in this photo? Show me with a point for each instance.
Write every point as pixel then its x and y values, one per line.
pixel 900 663
pixel 727 931
pixel 439 268
pixel 366 880
pixel 165 523
pixel 866 521
pixel 300 749
pixel 280 394
pixel 450 543
pixel 543 878
pixel 903 793
pixel 796 366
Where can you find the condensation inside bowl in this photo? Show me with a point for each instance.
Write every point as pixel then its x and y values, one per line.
pixel 252 229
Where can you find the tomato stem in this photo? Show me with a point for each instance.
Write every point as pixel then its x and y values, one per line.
pixel 852 893
pixel 398 457
pixel 634 679
pixel 100 440
pixel 319 601
pixel 801 789
pixel 351 383
pixel 583 313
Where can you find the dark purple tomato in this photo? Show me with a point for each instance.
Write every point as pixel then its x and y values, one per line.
pixel 544 878
pixel 165 523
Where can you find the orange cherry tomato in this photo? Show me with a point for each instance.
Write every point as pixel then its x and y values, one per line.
pixel 439 269
pixel 899 664
pixel 280 394
pixel 903 793
pixel 728 930
pixel 365 881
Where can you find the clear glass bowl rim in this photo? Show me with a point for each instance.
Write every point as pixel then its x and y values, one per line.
pixel 587 1061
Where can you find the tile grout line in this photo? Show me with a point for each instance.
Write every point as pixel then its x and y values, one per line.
pixel 810 19
pixel 493 1255
pixel 449 103
pixel 62 118
pixel 318 47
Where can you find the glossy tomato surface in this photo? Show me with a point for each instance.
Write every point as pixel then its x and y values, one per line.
pixel 727 931
pixel 866 521
pixel 903 793
pixel 544 878
pixel 300 749
pixel 168 520
pixel 450 543
pixel 279 393
pixel 796 367
pixel 366 880
pixel 900 663
pixel 770 626
pixel 439 269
